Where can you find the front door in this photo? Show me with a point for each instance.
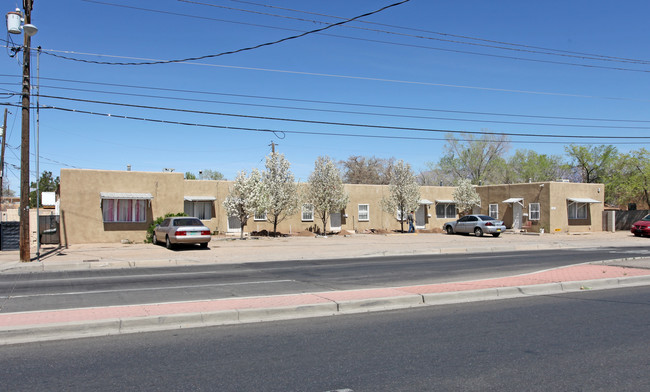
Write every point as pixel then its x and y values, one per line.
pixel 517 216
pixel 335 222
pixel 420 218
pixel 234 224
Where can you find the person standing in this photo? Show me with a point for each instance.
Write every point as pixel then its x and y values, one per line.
pixel 411 221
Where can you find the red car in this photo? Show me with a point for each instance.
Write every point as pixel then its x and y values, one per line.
pixel 641 227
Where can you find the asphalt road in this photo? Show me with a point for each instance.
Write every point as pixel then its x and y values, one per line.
pixel 585 341
pixel 47 291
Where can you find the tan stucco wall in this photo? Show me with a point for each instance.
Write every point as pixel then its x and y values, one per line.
pixel 552 197
pixel 81 214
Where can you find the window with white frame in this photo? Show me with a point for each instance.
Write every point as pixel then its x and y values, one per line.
pixel 399 216
pixel 199 209
pixel 578 210
pixel 534 211
pixel 260 216
pixel 446 210
pixel 307 212
pixel 364 212
pixel 124 210
pixel 494 211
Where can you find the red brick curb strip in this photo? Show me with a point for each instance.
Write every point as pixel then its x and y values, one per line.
pixel 101 321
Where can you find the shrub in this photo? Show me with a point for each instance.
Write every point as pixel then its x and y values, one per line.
pixel 157 221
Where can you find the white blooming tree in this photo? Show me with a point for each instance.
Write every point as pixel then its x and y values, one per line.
pixel 325 190
pixel 280 189
pixel 246 197
pixel 465 196
pixel 403 191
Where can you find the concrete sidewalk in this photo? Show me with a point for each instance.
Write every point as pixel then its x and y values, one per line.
pixel 73 323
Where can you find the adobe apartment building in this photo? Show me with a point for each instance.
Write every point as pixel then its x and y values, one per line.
pixel 111 206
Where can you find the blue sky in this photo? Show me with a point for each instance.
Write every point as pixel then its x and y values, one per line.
pixel 396 72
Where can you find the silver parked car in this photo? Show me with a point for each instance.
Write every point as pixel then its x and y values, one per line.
pixel 182 230
pixel 477 224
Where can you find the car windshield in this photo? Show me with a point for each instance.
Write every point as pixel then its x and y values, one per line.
pixel 187 222
pixel 485 217
pixel 646 218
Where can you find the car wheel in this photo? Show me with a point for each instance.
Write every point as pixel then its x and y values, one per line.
pixel 496 234
pixel 204 245
pixel 478 232
pixel 449 230
pixel 154 239
pixel 168 243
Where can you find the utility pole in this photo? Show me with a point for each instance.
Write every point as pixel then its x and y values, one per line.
pixel 272 147
pixel 24 142
pixel 2 154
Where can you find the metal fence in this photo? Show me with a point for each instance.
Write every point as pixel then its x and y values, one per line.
pixel 624 219
pixel 9 235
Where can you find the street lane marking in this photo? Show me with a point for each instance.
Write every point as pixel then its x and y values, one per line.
pixel 149 289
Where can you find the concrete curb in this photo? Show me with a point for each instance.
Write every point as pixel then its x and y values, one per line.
pixel 94 328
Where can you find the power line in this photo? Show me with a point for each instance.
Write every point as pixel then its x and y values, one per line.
pixel 642 62
pixel 520 48
pixel 374 79
pixel 246 48
pixel 249 116
pixel 447 34
pixel 333 102
pixel 365 113
pixel 282 132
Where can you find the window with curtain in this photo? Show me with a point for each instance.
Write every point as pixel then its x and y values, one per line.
pixel 307 212
pixel 124 210
pixel 534 211
pixel 364 212
pixel 445 210
pixel 578 210
pixel 199 209
pixel 494 211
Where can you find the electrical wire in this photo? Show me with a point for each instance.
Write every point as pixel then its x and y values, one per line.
pixel 602 57
pixel 357 125
pixel 625 59
pixel 350 111
pixel 334 134
pixel 246 48
pixel 550 52
pixel 332 102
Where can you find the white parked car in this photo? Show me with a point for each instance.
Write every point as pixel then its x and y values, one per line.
pixel 182 230
pixel 477 224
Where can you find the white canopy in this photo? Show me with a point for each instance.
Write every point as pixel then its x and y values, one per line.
pixel 200 198
pixel 122 195
pixel 445 201
pixel 582 200
pixel 515 200
pixel 426 202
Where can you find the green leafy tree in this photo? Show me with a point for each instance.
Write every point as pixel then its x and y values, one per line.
pixel 465 196
pixel 479 159
pixel 208 174
pixel 280 189
pixel 403 191
pixel 595 163
pixel 190 176
pixel 325 190
pixel 631 184
pixel 47 183
pixel 528 165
